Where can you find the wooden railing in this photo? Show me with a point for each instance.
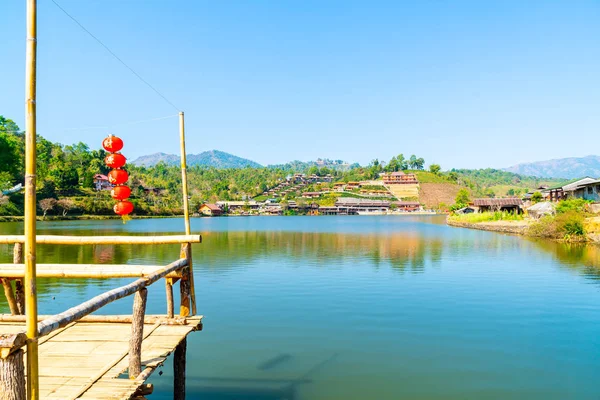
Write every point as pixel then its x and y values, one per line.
pixel 11 353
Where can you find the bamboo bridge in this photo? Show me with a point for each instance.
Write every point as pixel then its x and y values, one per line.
pixel 83 356
pixel 73 354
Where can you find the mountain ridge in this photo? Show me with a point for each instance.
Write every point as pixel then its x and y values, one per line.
pixel 210 158
pixel 568 168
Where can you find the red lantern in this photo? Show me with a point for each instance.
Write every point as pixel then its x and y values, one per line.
pixel 123 207
pixel 118 176
pixel 115 160
pixel 120 192
pixel 112 144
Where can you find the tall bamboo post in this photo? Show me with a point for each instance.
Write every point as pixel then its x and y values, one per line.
pixel 30 203
pixel 186 208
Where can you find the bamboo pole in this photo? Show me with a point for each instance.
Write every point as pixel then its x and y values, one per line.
pixel 10 298
pixel 170 304
pixel 186 208
pixel 83 240
pixel 185 296
pixel 83 271
pixel 75 313
pixel 103 319
pixel 30 203
pixel 137 333
pixel 19 295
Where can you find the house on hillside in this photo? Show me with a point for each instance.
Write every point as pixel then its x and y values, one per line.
pixel 310 195
pixel 398 177
pixel 588 191
pixel 511 204
pixel 339 186
pixel 211 210
pixel 407 206
pixel 233 206
pixel 101 182
pixel 562 192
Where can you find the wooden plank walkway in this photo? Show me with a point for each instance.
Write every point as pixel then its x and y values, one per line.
pixel 86 360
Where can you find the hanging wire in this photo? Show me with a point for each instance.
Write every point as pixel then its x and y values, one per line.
pixel 116 56
pixel 108 127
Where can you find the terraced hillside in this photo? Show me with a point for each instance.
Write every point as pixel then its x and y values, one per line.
pixel 404 191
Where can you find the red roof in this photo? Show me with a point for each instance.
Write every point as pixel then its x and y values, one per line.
pixel 101 177
pixel 511 201
pixel 212 207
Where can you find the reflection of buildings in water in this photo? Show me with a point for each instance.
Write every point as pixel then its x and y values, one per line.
pixel 401 250
pixel 104 254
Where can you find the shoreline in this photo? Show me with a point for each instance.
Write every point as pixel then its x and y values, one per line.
pixel 511 227
pixel 53 218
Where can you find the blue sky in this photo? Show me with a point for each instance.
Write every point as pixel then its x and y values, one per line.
pixel 461 83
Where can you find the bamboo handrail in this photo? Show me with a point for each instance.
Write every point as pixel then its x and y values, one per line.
pixel 113 319
pixel 91 271
pixel 84 240
pixel 75 313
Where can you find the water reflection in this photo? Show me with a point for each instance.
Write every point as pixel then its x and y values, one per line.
pixel 355 308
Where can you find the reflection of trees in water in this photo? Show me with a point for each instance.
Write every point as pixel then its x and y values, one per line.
pixel 584 258
pixel 405 250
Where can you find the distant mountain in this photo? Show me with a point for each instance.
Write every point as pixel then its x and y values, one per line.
pixel 212 158
pixel 570 168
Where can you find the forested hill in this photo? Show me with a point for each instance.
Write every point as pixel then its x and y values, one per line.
pixel 570 168
pixel 212 158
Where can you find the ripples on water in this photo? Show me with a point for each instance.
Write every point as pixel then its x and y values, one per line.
pixel 364 308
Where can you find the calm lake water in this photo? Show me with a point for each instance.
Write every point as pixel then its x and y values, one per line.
pixel 362 307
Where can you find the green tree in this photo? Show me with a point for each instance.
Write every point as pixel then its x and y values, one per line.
pixel 463 197
pixel 536 197
pixel 435 168
pixel 402 164
pixel 412 162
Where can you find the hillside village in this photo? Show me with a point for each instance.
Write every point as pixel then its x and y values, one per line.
pixel 393 193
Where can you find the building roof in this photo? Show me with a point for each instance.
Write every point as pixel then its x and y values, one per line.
pixel 212 207
pixel 589 183
pixel 352 202
pixel 100 176
pixel 406 203
pixel 572 185
pixel 311 193
pixel 485 202
pixel 237 203
pixel 396 173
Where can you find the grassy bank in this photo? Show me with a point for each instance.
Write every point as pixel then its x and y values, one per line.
pixel 572 223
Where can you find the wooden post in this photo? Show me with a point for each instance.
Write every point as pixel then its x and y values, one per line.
pixel 33 389
pixel 10 298
pixel 137 333
pixel 185 282
pixel 179 371
pixel 12 371
pixel 12 377
pixel 170 306
pixel 186 208
pixel 19 295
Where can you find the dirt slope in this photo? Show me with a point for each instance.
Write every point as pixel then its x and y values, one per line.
pixel 432 194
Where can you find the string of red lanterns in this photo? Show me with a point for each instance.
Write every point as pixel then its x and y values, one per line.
pixel 117 176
